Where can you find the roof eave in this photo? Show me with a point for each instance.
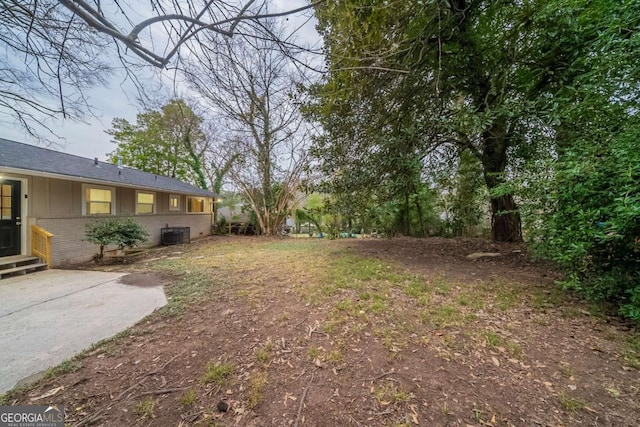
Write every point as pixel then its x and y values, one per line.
pixel 8 169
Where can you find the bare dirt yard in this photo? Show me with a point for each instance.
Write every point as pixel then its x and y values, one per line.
pixel 353 332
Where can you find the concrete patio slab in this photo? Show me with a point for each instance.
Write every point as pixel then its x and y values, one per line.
pixel 50 316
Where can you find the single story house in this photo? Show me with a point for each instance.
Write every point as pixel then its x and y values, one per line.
pixel 49 196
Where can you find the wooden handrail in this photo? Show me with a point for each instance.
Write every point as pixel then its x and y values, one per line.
pixel 41 244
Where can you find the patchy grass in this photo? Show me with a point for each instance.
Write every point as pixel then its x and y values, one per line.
pixel 333 326
pixel 443 289
pixel 570 404
pixel 145 408
pixel 377 334
pixel 493 339
pixel 631 352
pixel 109 345
pixel 313 353
pixel 614 392
pixel 464 300
pixel 506 299
pixel 446 316
pixel 419 289
pixel 547 297
pixel 514 349
pixel 566 370
pixel 367 281
pixel 283 317
pixel 69 365
pixel 188 398
pixel 217 373
pixel 264 353
pixel 445 409
pixel 334 357
pixel 8 397
pixel 192 286
pixel 257 383
pixel 389 393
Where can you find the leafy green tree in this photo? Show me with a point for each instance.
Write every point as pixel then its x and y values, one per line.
pixel 362 176
pixel 407 80
pixel 167 142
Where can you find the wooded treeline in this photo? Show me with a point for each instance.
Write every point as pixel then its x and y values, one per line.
pixel 537 98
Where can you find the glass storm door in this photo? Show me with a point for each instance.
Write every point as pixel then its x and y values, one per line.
pixel 10 219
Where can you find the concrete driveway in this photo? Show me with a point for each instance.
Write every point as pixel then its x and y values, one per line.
pixel 50 316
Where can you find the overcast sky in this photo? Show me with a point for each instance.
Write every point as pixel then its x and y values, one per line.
pixel 119 100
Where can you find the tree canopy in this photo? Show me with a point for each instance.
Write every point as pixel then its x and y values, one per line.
pixel 410 79
pixel 167 142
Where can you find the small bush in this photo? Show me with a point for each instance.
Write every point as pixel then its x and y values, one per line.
pixel 121 232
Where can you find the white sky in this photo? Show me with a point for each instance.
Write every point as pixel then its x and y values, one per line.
pixel 119 100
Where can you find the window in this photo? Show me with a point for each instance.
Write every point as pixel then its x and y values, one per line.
pixel 5 202
pixel 99 200
pixel 196 204
pixel 174 202
pixel 145 203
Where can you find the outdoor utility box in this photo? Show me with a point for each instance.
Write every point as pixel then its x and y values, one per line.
pixel 175 235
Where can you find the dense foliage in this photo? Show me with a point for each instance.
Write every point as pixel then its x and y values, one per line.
pixel 587 201
pixel 594 231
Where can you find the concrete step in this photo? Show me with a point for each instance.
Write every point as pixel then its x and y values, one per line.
pixel 23 269
pixel 16 260
pixel 19 264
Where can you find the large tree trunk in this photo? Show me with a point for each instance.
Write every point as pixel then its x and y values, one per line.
pixel 506 225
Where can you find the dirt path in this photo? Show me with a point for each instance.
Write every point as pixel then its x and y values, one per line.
pixel 354 332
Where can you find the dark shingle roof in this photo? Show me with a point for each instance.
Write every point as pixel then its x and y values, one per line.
pixel 37 159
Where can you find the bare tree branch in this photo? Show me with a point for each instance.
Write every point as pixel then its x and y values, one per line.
pixel 53 51
pixel 251 84
pixel 96 20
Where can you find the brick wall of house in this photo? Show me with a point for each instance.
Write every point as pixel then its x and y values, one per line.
pixel 69 246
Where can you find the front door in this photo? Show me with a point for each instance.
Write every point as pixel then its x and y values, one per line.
pixel 10 218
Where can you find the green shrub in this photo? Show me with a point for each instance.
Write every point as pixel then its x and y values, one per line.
pixel 121 232
pixel 594 231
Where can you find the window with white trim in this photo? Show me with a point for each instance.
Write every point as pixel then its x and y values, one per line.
pixel 145 202
pixel 196 205
pixel 98 200
pixel 174 202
